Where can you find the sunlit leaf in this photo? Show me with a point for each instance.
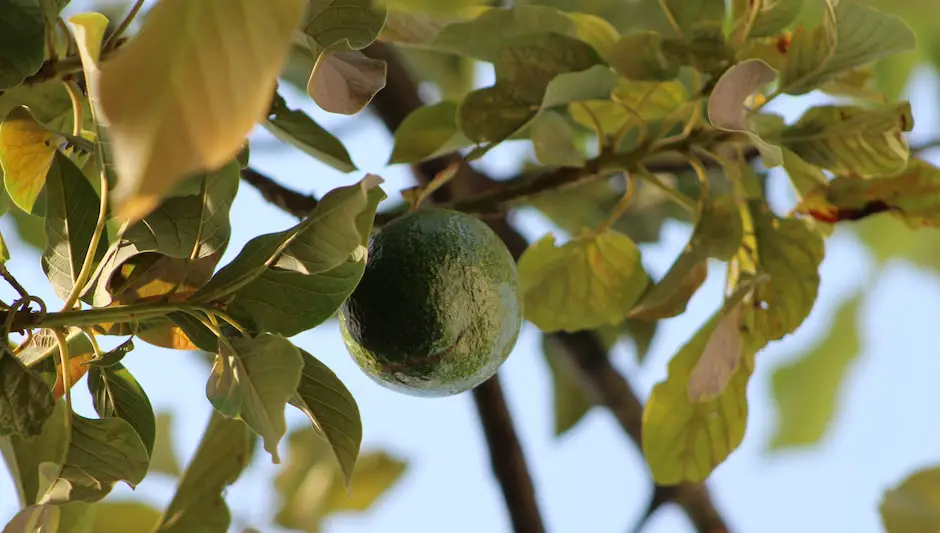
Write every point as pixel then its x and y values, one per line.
pixel 345 81
pixel 554 142
pixel 852 140
pixel 101 453
pixel 27 150
pixel 428 132
pixel 22 40
pixel 71 214
pixel 913 506
pixel 685 435
pixel 806 390
pixel 25 399
pixel 115 392
pixel 851 35
pixel 588 282
pixel 298 129
pixel 913 195
pixel 252 379
pixel 223 453
pixel 332 411
pixel 205 91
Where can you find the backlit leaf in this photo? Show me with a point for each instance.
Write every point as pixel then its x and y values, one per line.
pixel 332 411
pixel 806 390
pixel 428 132
pixel 684 439
pixel 913 506
pixel 198 506
pixel 71 215
pixel 375 473
pixel 115 392
pixel 163 458
pixel 27 150
pixel 252 379
pixel 101 453
pixel 298 129
pixel 554 142
pixel 125 517
pixel 588 282
pixel 205 91
pixel 344 81
pixel 913 196
pixel 22 40
pixel 25 399
pixel 852 140
pixel 651 101
pixel 25 457
pixel 852 34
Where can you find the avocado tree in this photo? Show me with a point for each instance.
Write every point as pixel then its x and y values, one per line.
pixel 124 143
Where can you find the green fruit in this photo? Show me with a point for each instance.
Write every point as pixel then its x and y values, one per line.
pixel 438 309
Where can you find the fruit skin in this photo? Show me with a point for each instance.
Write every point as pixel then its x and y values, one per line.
pixel 439 307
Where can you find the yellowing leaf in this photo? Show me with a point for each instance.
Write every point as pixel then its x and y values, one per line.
pixel 588 282
pixel 852 140
pixel 204 90
pixel 789 253
pixel 851 35
pixel 684 439
pixel 375 473
pixel 345 81
pixel 26 152
pixel 913 196
pixel 913 506
pixel 806 390
pixel 125 517
pixel 163 459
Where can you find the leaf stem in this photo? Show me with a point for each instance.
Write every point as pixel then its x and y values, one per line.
pixel 120 313
pixel 675 195
pixel 66 375
pixel 78 109
pixel 621 206
pixel 89 261
pixel 671 18
pixel 122 27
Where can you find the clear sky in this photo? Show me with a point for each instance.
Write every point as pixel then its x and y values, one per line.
pixel 593 479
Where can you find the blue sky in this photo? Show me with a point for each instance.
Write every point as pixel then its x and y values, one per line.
pixel 593 479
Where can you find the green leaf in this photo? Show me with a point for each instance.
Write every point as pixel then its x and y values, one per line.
pixel 640 56
pixel 428 132
pixel 727 109
pixel 913 506
pixel 338 226
pixel 163 457
pixel 198 506
pixel 25 457
pixel 22 40
pixel 697 19
pixel 345 81
pixel 588 282
pixel 4 250
pixel 115 392
pixel 533 72
pixel 186 73
pixel 651 101
pixel 48 102
pixel 332 410
pixel 375 473
pixel 115 356
pixel 252 379
pixel 690 427
pixel 804 177
pixel 298 129
pixel 771 17
pixel 852 140
pixel 851 35
pixel 75 517
pixel 718 233
pixel 101 453
pixel 125 517
pixel 71 214
pixel 25 399
pixel 344 24
pixel 554 142
pixel 570 401
pixel 789 253
pixel 806 390
pixel 27 150
pixel 911 196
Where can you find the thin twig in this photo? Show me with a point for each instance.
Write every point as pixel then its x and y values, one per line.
pixel 8 277
pixel 122 27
